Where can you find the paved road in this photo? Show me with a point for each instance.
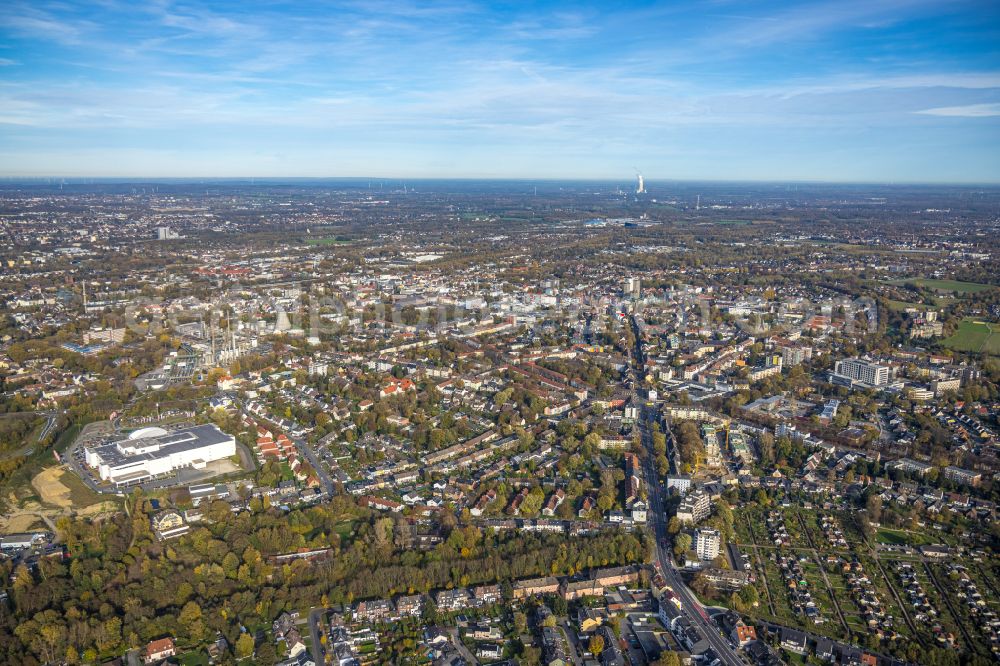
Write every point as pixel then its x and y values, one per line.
pixel 28 449
pixel 303 447
pixel 690 605
pixel 575 649
pixel 315 616
pixel 49 425
pixel 460 646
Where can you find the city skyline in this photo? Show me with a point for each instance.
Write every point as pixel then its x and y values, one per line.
pixel 904 91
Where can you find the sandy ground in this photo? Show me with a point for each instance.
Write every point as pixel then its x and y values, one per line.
pixel 20 522
pixel 51 489
pixel 56 502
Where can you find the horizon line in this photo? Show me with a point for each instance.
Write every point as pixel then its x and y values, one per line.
pixel 547 179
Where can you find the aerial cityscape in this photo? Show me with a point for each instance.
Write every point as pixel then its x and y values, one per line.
pixel 662 339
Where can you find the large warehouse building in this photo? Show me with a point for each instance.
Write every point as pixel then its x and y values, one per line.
pixel 152 452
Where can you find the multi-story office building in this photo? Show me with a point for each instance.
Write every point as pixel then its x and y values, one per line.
pixel 863 372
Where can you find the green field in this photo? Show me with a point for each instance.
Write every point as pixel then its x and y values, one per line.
pixel 195 658
pixel 900 537
pixel 345 529
pixel 975 336
pixel 327 241
pixel 900 306
pixel 946 285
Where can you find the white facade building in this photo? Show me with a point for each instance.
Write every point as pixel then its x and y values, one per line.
pixel 706 543
pixel 857 370
pixel 152 452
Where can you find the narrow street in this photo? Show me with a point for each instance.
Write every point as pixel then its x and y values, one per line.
pixel 462 650
pixel 316 616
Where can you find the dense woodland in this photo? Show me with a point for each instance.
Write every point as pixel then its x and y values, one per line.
pixel 120 587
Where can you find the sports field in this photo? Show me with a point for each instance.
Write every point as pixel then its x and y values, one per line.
pixel 974 335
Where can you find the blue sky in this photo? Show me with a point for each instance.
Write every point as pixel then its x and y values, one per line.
pixel 842 90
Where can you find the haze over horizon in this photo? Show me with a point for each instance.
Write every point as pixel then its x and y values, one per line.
pixel 902 91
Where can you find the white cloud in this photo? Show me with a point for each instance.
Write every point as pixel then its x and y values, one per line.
pixel 967 111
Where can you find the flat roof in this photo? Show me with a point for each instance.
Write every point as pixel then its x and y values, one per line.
pixel 187 439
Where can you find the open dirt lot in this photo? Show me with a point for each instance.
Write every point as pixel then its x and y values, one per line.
pixel 54 492
pixel 51 489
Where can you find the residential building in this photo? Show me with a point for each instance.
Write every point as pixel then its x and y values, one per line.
pixel 486 595
pixel 410 606
pixel 963 476
pixel 159 650
pixel 536 586
pixel 679 484
pixel 452 600
pixel 706 543
pixel 695 507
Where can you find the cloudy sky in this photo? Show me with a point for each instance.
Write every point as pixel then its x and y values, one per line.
pixel 842 90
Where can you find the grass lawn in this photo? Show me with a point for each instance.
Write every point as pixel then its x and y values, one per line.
pixel 345 529
pixel 79 493
pixel 196 658
pixel 974 335
pixel 328 241
pixel 902 537
pixel 946 285
pixel 900 306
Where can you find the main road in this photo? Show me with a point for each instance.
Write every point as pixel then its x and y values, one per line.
pixel 690 606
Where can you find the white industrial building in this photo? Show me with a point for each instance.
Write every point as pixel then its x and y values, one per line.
pixel 153 452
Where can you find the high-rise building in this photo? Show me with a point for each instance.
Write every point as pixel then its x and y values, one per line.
pixel 861 371
pixel 710 436
pixel 641 187
pixel 166 233
pixel 792 355
pixel 695 507
pixel 706 543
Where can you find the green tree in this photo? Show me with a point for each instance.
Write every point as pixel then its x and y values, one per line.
pixel 244 646
pixel 595 645
pixel 520 622
pixel 682 543
pixel 748 595
pixel 668 659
